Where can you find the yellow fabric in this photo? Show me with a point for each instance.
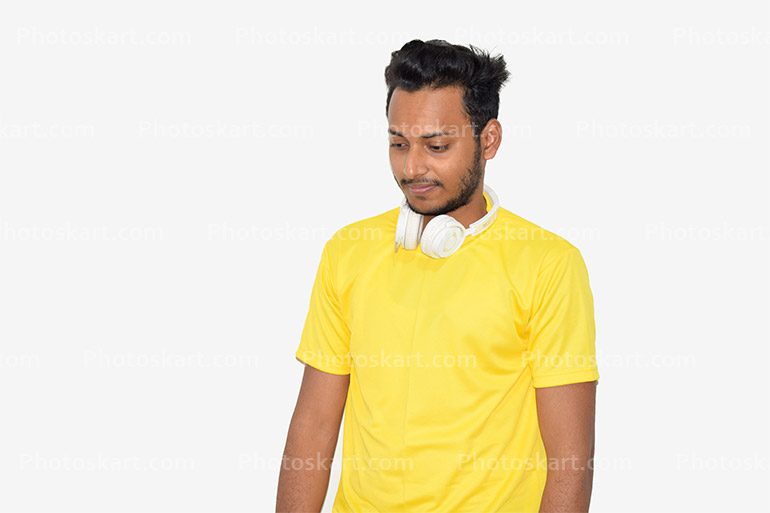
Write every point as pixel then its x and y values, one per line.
pixel 444 356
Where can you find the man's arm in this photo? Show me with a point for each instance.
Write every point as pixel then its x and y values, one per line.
pixel 566 417
pixel 311 441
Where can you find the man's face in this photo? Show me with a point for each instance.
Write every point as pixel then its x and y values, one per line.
pixel 432 144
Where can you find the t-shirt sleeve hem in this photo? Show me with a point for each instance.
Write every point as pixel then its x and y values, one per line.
pixel 565 378
pixel 317 363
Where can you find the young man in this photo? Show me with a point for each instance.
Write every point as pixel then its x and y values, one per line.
pixel 464 360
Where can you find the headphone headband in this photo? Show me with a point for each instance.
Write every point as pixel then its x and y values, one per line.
pixel 483 223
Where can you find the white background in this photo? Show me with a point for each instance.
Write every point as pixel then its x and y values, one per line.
pixel 171 170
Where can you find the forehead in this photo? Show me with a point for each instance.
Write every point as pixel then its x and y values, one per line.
pixel 425 110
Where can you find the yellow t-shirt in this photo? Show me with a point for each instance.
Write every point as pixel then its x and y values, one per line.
pixel 444 356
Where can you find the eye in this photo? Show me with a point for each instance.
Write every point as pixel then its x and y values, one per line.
pixel 439 148
pixel 396 145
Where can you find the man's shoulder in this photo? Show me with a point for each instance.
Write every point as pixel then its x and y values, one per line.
pixel 373 230
pixel 525 235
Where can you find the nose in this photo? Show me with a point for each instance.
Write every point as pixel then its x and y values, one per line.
pixel 414 164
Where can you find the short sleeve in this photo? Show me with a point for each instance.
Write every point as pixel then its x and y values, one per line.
pixel 562 336
pixel 325 340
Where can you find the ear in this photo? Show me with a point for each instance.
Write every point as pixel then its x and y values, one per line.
pixel 491 137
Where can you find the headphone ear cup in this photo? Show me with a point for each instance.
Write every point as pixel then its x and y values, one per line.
pixel 442 236
pixel 408 228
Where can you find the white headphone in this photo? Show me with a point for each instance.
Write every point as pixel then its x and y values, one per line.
pixel 443 235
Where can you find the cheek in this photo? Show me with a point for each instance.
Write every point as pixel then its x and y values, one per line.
pixel 397 159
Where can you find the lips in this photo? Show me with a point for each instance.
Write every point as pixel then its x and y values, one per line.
pixel 420 188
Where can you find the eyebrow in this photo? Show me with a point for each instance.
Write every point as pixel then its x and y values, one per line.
pixel 423 136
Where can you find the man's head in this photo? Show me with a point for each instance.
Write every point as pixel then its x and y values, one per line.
pixel 442 107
